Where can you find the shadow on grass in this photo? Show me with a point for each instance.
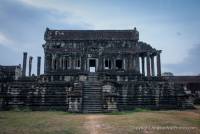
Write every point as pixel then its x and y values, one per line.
pixel 129 111
pixel 27 109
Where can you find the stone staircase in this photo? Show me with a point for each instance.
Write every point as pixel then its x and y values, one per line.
pixel 92 95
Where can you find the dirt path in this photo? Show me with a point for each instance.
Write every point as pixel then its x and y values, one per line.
pixel 94 124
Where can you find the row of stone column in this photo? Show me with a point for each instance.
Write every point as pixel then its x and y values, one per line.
pixel 65 63
pixel 150 64
pixel 30 64
pixel 59 62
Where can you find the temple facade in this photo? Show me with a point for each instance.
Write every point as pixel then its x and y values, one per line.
pixel 93 71
pixel 99 51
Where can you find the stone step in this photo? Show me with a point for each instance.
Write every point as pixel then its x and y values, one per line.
pixel 92 106
pixel 91 101
pixel 92 88
pixel 95 86
pixel 92 84
pixel 92 95
pixel 92 111
pixel 87 103
pixel 91 92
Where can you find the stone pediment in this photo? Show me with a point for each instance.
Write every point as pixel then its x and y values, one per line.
pixel 91 35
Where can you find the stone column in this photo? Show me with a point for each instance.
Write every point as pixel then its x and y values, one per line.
pixel 38 65
pixel 138 63
pixel 60 63
pixel 30 65
pixel 152 66
pixel 158 64
pixel 70 62
pixel 47 62
pixel 143 66
pixel 24 64
pixel 57 63
pixel 148 65
pixel 128 62
pixel 52 62
pixel 131 63
pixel 124 63
pixel 102 63
pixel 82 63
pixel 64 62
pixel 114 63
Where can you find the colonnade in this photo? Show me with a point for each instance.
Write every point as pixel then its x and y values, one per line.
pixel 63 62
pixel 25 54
pixel 56 62
pixel 150 63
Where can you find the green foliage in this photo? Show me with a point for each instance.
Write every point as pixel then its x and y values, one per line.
pixel 15 109
pixel 128 111
pixel 21 109
pixel 193 121
pixel 141 110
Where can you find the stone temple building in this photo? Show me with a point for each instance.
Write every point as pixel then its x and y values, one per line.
pixel 93 71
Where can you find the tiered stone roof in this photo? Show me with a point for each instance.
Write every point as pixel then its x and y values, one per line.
pixel 91 35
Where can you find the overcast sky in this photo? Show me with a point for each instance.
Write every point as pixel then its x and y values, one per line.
pixel 169 25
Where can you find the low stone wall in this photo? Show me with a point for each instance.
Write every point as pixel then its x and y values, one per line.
pixel 36 95
pixel 146 94
pixel 116 95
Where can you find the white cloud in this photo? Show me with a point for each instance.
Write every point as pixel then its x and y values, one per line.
pixel 76 13
pixel 4 40
pixel 9 43
pixel 63 7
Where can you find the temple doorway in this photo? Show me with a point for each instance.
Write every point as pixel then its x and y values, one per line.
pixel 92 65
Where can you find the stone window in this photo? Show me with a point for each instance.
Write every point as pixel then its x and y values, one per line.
pixel 119 64
pixel 67 63
pixel 58 45
pixel 78 63
pixel 107 64
pixel 62 62
pixel 55 64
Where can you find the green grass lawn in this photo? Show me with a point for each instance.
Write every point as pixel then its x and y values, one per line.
pixel 53 122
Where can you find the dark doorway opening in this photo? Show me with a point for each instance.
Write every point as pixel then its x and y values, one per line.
pixel 107 64
pixel 119 64
pixel 92 63
pixel 66 64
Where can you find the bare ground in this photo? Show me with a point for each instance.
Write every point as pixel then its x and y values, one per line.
pixel 94 125
pixel 151 122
